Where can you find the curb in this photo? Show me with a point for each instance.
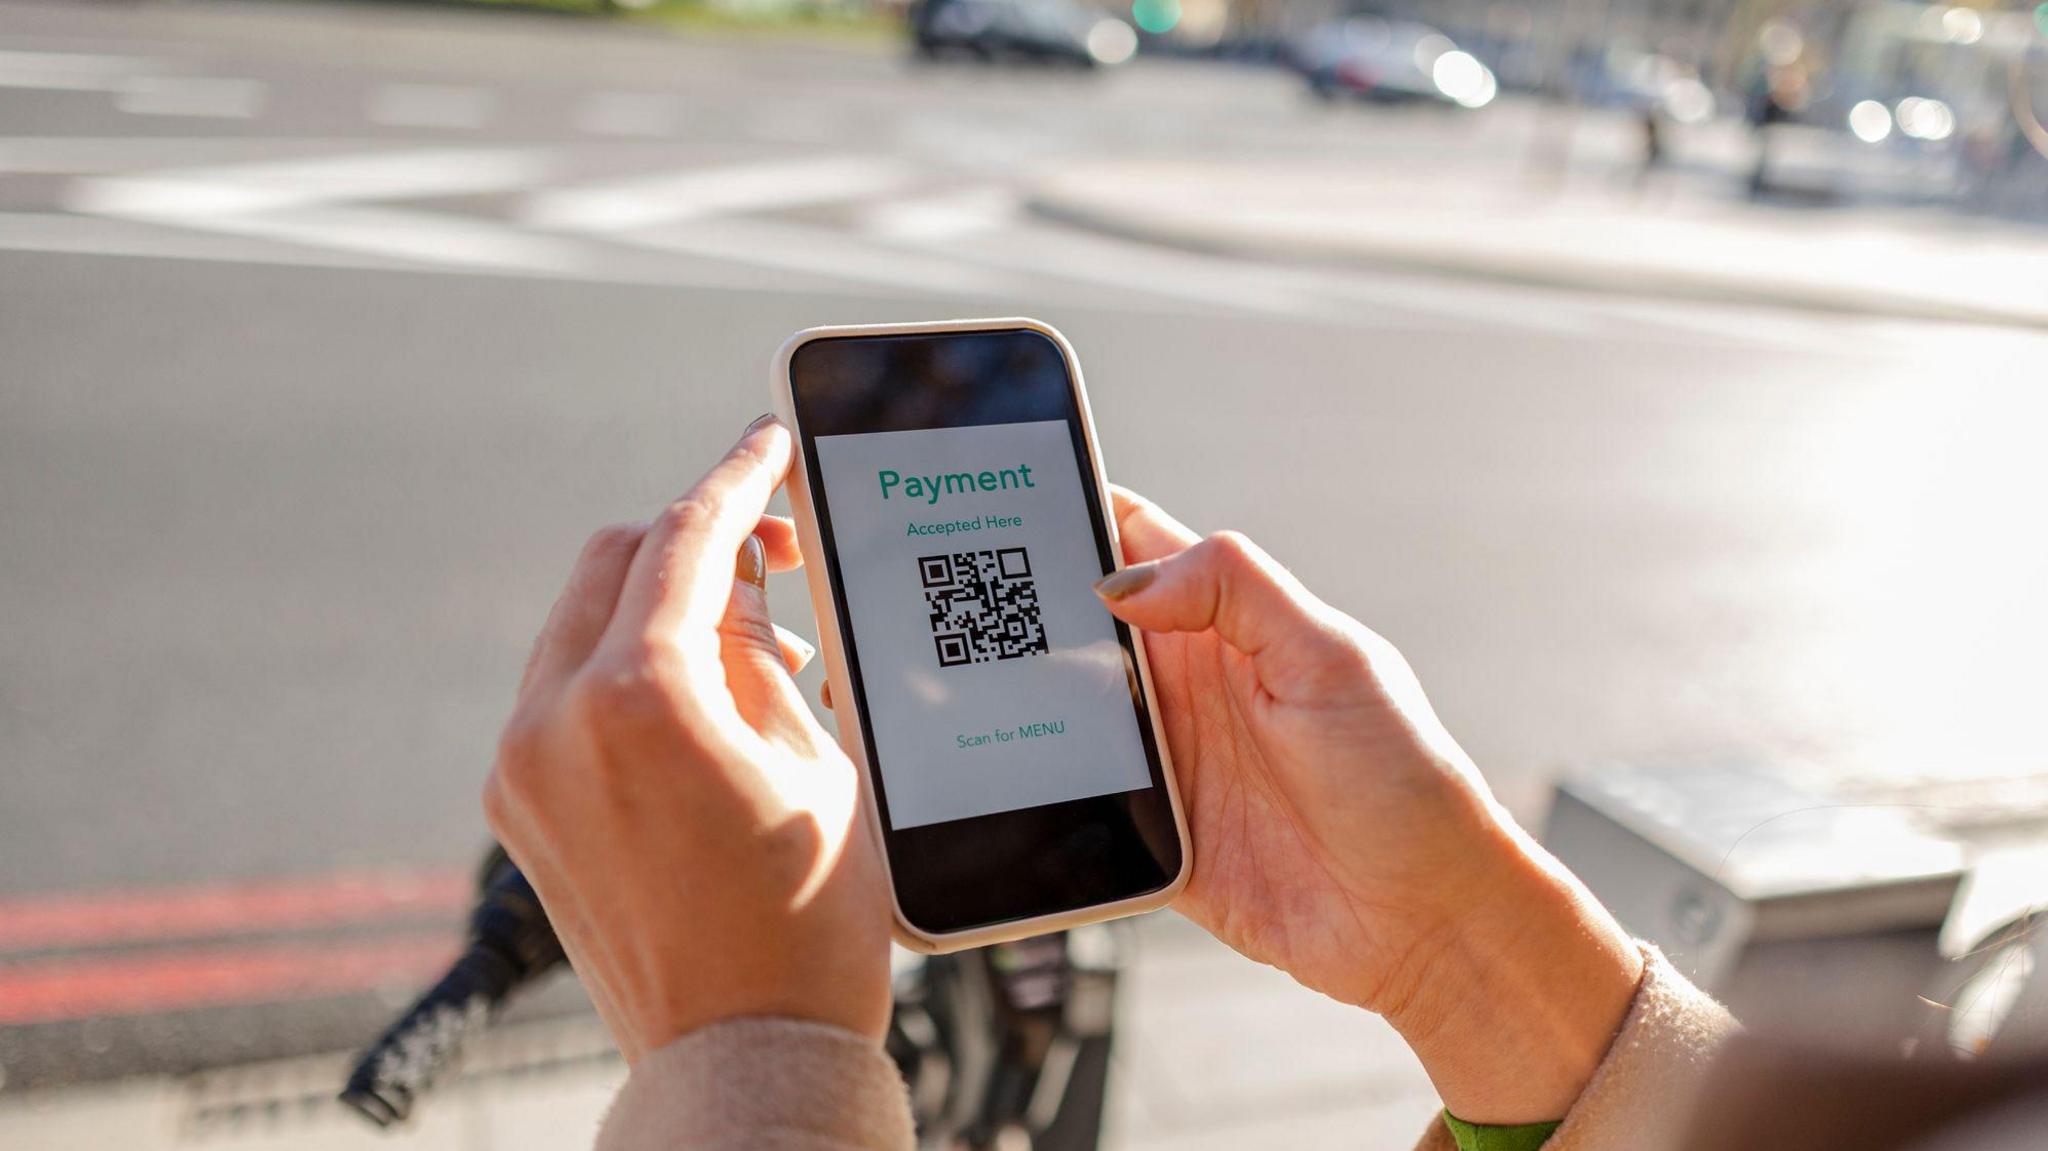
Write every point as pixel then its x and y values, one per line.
pixel 1545 270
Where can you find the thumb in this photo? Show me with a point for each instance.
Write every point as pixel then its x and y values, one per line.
pixel 756 661
pixel 1229 585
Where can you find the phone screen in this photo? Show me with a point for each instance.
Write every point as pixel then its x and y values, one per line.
pixel 1015 767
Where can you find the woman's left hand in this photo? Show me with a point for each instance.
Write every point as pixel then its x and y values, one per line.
pixel 694 834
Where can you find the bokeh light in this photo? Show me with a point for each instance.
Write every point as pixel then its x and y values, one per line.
pixel 1870 121
pixel 1111 42
pixel 1460 75
pixel 1156 16
pixel 1925 119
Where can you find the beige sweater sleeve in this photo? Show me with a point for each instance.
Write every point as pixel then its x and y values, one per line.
pixel 1642 1094
pixel 762 1085
pixel 782 1085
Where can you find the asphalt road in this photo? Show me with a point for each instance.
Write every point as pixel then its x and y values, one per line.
pixel 326 335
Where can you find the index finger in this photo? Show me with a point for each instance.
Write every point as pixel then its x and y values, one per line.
pixel 681 579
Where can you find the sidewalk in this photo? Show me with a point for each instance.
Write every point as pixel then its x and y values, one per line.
pixel 1489 219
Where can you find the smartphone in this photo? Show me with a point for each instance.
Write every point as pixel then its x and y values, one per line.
pixel 951 507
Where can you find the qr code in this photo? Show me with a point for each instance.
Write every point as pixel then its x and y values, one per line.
pixel 984 606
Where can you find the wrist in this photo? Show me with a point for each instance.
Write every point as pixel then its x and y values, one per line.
pixel 1517 996
pixel 848 997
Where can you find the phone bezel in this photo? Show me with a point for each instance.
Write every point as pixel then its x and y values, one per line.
pixel 833 647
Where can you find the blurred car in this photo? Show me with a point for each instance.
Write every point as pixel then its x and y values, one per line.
pixel 1916 103
pixel 1624 77
pixel 1047 31
pixel 1392 62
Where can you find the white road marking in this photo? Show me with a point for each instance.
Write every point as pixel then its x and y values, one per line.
pixel 818 251
pixel 68 71
pixel 311 202
pixel 103 236
pixel 644 201
pixel 1275 289
pixel 429 106
pixel 629 114
pixel 307 239
pixel 196 194
pixel 426 237
pixel 215 97
pixel 970 240
pixel 1156 271
pixel 946 216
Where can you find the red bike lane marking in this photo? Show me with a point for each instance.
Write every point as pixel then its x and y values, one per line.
pixel 51 991
pixel 141 914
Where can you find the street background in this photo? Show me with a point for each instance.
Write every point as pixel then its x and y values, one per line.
pixel 327 333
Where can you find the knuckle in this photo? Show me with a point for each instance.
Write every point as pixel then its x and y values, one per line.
pixel 750 451
pixel 497 803
pixel 1235 550
pixel 756 630
pixel 690 513
pixel 613 538
pixel 1378 654
pixel 520 740
pixel 1354 654
pixel 519 757
pixel 645 685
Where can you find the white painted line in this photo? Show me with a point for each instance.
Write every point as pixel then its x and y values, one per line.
pixel 310 204
pixel 817 251
pixel 644 201
pixel 1248 285
pixel 195 193
pixel 102 236
pixel 425 237
pixel 943 217
pixel 1156 271
pixel 429 106
pixel 67 71
pixel 629 114
pixel 306 242
pixel 213 97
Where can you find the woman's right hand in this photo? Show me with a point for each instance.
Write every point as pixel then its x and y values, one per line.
pixel 1341 834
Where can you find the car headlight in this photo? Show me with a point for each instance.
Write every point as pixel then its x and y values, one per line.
pixel 1462 78
pixel 1926 119
pixel 1870 121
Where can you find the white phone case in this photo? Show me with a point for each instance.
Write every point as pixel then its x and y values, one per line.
pixel 851 736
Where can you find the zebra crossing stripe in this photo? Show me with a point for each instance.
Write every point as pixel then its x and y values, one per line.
pixel 643 201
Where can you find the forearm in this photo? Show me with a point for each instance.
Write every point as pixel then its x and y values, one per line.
pixel 1645 1093
pixel 1522 990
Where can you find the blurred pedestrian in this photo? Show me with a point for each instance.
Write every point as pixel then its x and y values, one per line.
pixel 1778 100
pixel 1650 120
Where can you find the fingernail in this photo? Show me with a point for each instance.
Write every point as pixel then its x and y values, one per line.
pixel 803 646
pixel 753 563
pixel 760 421
pixel 1126 583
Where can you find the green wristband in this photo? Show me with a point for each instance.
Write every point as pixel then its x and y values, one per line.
pixel 1473 1137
